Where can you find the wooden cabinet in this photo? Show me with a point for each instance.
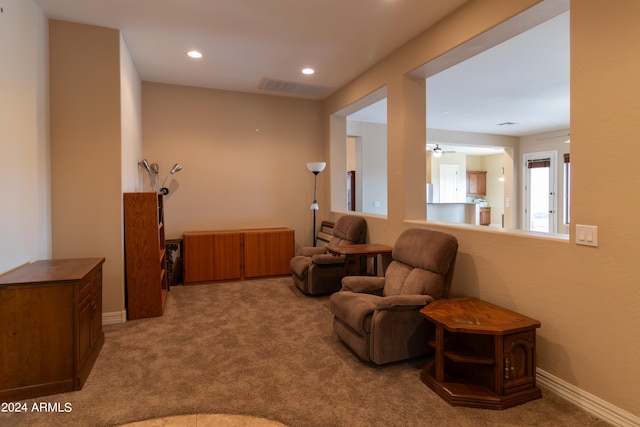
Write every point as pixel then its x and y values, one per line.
pixel 476 183
pixel 237 254
pixel 485 216
pixel 212 256
pixel 485 354
pixel 268 252
pixel 51 333
pixel 145 255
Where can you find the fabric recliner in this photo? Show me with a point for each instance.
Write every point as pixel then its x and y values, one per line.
pixel 379 317
pixel 317 272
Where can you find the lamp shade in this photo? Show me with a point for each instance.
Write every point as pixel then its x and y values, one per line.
pixel 316 167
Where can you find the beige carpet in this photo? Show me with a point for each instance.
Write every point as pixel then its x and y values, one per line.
pixel 206 420
pixel 262 349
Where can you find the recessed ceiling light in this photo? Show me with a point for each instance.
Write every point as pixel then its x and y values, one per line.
pixel 308 71
pixel 194 54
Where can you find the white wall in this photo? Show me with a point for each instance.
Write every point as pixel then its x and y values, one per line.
pixel 372 172
pixel 131 104
pixel 25 226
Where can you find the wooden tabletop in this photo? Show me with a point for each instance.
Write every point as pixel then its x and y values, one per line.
pixel 472 315
pixel 54 270
pixel 361 249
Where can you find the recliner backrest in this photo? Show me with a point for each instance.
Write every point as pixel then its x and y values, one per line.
pixel 423 262
pixel 349 229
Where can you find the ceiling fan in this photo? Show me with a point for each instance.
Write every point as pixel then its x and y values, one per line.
pixel 437 151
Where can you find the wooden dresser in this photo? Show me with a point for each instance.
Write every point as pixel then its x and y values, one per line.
pixel 50 326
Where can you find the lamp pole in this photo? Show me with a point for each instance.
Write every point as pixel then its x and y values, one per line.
pixel 314 205
pixel 315 168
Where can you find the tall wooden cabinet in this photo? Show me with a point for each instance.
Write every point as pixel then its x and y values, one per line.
pixel 237 254
pixel 145 255
pixel 51 317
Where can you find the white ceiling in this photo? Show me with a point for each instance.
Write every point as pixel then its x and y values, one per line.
pixel 524 80
pixel 247 41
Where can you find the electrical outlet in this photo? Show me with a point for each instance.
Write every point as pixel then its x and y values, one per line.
pixel 587 235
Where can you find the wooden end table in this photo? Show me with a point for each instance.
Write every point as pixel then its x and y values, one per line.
pixel 355 252
pixel 485 354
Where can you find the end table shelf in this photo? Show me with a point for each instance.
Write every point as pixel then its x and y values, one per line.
pixel 485 354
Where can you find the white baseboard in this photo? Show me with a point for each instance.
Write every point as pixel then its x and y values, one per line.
pixel 586 401
pixel 114 317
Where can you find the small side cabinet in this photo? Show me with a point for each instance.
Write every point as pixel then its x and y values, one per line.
pixel 484 354
pixel 51 327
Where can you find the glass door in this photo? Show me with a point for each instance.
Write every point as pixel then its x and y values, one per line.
pixel 540 204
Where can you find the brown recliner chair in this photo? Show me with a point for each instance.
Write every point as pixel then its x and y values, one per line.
pixel 316 272
pixel 378 317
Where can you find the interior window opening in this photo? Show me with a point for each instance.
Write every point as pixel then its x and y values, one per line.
pixel 514 98
pixel 367 159
pixel 359 156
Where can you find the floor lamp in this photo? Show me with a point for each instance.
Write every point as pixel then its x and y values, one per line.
pixel 315 168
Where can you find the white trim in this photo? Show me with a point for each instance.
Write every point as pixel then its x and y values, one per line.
pixel 113 318
pixel 586 401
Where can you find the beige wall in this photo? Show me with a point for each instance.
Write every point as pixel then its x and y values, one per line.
pixel 586 298
pixel 86 134
pixel 243 156
pixel 25 227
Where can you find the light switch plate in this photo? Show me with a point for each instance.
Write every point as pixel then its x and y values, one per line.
pixel 587 235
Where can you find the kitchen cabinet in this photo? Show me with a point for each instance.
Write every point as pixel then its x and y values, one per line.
pixel 476 183
pixel 211 256
pixel 51 317
pixel 485 216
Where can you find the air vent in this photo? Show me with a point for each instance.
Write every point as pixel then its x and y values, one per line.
pixel 293 88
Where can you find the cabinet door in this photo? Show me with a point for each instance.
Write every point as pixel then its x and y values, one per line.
pixel 476 183
pixel 519 362
pixel 85 331
pixel 227 256
pixel 256 250
pixel 268 252
pixel 281 250
pixel 485 216
pixel 198 257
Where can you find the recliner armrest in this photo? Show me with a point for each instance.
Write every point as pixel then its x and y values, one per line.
pixel 403 302
pixel 363 284
pixel 311 251
pixel 327 259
